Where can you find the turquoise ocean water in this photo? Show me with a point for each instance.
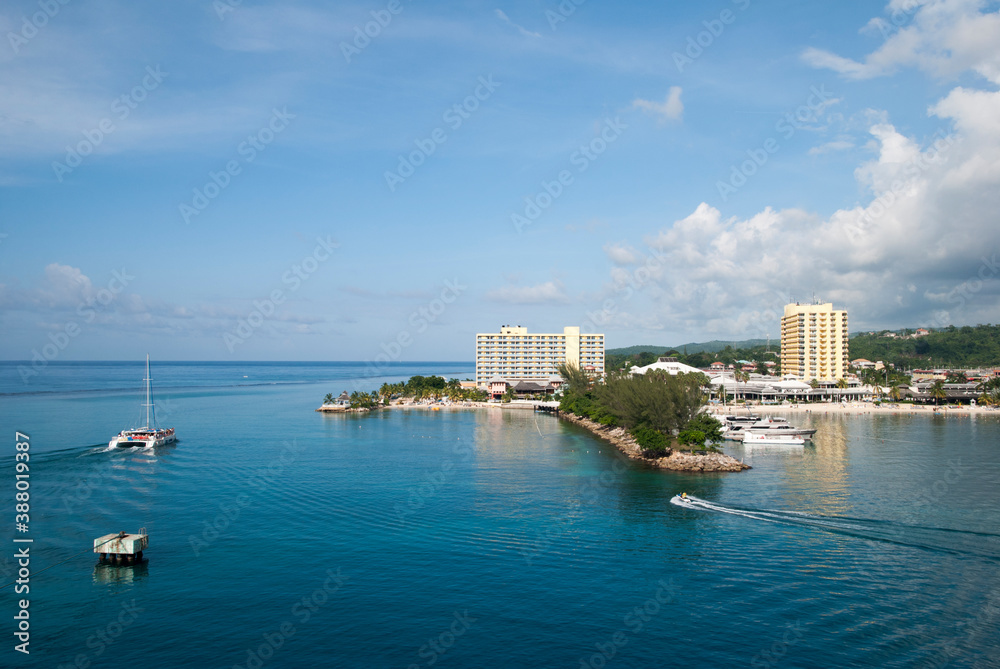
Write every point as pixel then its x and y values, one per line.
pixel 282 537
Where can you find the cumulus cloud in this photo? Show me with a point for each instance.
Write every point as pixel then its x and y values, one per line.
pixel 62 287
pixel 671 109
pixel 506 19
pixel 836 145
pixel 943 38
pixel 922 249
pixel 105 307
pixel 622 254
pixel 550 292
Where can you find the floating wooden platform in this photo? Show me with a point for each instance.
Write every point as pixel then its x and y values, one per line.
pixel 122 548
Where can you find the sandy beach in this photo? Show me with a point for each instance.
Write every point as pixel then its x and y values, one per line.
pixel 853 408
pixel 848 408
pixel 436 407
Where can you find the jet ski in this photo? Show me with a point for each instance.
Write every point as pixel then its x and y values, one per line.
pixel 681 499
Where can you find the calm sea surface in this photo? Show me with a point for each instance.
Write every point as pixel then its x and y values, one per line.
pixel 282 537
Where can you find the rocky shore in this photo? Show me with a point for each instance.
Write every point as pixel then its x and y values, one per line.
pixel 676 461
pixel 620 437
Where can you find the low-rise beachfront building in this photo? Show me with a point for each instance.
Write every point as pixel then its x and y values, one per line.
pixel 961 393
pixel 668 365
pixel 498 386
pixel 761 387
pixel 814 342
pixel 928 375
pixel 772 389
pixel 514 354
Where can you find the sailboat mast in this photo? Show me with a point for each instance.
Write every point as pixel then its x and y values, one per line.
pixel 148 402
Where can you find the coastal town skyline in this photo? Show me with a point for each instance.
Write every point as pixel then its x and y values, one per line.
pixel 236 181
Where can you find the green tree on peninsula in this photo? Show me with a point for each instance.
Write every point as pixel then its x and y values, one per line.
pixel 653 406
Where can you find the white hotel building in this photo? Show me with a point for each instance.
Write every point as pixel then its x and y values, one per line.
pixel 514 354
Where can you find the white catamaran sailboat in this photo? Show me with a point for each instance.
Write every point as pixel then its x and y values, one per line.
pixel 148 435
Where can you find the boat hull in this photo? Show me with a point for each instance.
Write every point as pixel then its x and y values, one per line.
pixel 751 439
pixel 126 441
pixel 736 427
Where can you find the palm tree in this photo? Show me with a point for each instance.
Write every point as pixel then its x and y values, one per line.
pixel 741 377
pixel 938 392
pixel 841 384
pixel 328 399
pixel 722 392
pixel 894 392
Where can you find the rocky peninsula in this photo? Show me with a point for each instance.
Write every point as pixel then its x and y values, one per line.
pixel 676 461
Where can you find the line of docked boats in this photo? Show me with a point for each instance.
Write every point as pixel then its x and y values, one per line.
pixel 766 430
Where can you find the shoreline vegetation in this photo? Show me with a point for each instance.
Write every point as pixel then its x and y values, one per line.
pixel 416 389
pixel 622 439
pixel 642 415
pixel 639 415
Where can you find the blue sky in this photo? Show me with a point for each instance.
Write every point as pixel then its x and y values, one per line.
pixel 221 181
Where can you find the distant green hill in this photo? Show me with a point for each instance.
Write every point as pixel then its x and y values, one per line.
pixel 967 346
pixel 955 347
pixel 695 354
pixel 703 347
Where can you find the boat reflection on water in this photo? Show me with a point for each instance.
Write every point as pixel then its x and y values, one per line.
pixel 109 574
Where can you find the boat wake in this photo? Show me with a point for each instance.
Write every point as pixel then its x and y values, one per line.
pixel 937 539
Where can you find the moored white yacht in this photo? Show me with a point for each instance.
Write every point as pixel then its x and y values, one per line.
pixel 777 425
pixel 733 426
pixel 148 435
pixel 768 438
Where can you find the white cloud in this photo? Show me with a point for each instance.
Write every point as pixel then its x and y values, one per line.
pixel 622 254
pixel 64 295
pixel 276 28
pixel 506 19
pixel 550 292
pixel 835 145
pixel 922 247
pixel 944 38
pixel 671 109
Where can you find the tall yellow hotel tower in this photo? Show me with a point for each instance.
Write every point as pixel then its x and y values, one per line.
pixel 513 354
pixel 814 342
